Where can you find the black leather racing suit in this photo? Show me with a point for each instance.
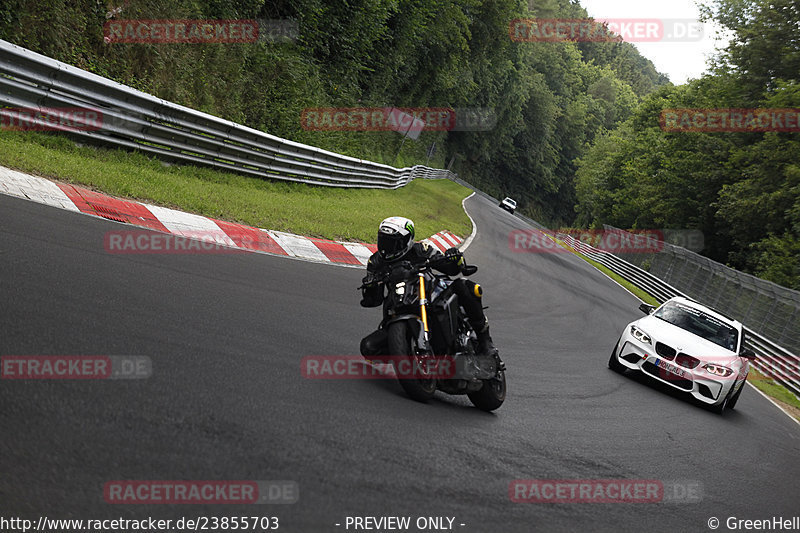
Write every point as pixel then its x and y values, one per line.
pixel 468 292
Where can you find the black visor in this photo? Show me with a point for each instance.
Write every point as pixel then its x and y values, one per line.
pixel 392 246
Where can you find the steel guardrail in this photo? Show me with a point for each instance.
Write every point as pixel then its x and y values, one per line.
pixel 132 119
pixel 766 307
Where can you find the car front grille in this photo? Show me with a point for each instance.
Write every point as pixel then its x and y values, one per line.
pixel 667 352
pixel 687 361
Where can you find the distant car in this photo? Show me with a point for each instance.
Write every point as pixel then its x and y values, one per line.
pixel 508 204
pixel 690 347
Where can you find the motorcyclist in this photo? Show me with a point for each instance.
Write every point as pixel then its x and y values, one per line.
pixel 396 243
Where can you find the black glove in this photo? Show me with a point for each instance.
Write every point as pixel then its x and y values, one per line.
pixel 371 292
pixel 454 255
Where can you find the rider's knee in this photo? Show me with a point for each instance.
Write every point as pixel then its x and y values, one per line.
pixel 468 289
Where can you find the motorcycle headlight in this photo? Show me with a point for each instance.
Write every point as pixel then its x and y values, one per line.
pixel 718 370
pixel 400 288
pixel 640 335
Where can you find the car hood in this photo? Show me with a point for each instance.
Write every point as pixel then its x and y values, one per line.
pixel 684 341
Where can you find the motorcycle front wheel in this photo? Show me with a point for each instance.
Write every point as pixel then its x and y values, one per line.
pixel 402 344
pixel 492 394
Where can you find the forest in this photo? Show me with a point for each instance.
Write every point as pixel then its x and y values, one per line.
pixel 740 188
pixel 575 135
pixel 550 100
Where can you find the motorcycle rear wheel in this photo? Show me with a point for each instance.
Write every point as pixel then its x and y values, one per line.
pixel 401 343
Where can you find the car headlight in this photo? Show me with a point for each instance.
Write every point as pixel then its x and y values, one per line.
pixel 640 335
pixel 718 370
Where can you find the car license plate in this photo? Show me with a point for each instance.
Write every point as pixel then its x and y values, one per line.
pixel 670 368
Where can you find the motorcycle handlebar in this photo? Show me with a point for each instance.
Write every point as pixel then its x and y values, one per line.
pixel 382 277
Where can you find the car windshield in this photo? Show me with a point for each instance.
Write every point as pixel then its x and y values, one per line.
pixel 699 323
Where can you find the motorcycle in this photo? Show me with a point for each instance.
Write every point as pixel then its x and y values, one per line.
pixel 430 342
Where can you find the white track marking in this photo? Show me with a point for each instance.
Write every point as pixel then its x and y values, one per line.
pixel 358 250
pixel 33 188
pixel 474 226
pixel 190 225
pixel 298 246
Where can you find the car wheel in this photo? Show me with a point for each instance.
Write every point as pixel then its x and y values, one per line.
pixel 720 407
pixel 613 363
pixel 732 403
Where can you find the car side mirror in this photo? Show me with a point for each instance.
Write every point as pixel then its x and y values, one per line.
pixel 646 308
pixel 748 353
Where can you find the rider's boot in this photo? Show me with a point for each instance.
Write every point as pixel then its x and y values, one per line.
pixel 486 346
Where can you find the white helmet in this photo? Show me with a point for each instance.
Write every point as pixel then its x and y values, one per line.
pixel 395 238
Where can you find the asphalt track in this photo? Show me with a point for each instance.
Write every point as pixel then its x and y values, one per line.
pixel 226 400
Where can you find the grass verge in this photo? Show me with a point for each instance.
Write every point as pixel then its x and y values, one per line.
pixel 774 390
pixel 768 386
pixel 326 212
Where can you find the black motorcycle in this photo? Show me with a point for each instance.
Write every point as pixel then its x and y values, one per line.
pixel 429 340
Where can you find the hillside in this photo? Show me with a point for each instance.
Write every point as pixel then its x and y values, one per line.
pixel 550 100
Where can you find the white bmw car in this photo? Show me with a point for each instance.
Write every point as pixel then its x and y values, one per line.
pixel 689 347
pixel 509 204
